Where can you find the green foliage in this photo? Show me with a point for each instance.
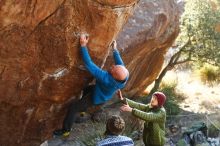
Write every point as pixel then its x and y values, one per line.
pixel 168 87
pixel 213 131
pixel 209 74
pixel 198 30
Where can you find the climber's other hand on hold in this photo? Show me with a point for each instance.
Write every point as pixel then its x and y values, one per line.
pixel 84 39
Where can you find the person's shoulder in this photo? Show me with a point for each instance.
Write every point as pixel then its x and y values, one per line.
pixel 162 110
pixel 102 142
pixel 107 140
pixel 124 137
pixel 126 140
pixel 115 139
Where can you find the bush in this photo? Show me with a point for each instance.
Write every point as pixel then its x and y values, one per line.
pixel 209 74
pixel 172 108
pixel 213 131
pixel 168 88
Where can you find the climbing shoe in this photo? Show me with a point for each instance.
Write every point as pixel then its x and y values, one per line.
pixel 61 133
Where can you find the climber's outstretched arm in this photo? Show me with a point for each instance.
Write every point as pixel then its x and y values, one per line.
pixel 116 54
pixel 96 71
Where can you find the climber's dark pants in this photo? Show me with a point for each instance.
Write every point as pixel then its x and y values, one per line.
pixel 85 104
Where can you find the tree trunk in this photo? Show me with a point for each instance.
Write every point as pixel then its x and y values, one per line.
pixel 157 83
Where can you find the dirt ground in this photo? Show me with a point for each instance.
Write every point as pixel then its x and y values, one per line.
pixel 199 98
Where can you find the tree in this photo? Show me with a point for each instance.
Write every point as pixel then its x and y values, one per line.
pixel 198 40
pixel 198 26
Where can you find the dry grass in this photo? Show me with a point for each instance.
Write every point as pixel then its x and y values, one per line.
pixel 200 98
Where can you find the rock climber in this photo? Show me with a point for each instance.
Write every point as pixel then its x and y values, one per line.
pixel 107 83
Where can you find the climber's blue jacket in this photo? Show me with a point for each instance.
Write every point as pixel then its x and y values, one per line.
pixel 106 85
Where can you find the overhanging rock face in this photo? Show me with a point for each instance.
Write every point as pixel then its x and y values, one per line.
pixel 40 64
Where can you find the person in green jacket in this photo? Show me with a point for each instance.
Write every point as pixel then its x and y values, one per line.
pixel 153 114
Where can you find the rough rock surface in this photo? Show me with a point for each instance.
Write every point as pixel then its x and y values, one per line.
pixel 145 39
pixel 40 62
pixel 40 66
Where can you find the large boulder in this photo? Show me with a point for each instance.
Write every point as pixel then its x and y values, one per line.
pixel 40 65
pixel 145 40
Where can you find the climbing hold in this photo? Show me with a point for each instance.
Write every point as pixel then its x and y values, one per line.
pixel 81 67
